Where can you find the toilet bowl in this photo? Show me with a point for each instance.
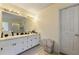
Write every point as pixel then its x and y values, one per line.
pixel 48 45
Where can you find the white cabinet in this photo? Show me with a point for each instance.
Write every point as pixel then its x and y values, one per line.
pixel 29 41
pixel 17 45
pixel 37 37
pixel 35 40
pixel 23 43
pixel 5 47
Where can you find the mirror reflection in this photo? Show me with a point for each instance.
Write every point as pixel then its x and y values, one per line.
pixel 13 23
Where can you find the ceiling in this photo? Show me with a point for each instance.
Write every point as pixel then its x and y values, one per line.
pixel 32 7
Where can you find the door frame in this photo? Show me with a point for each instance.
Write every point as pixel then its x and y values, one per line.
pixel 60 23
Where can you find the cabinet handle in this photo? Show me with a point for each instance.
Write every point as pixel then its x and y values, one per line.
pixel 1 49
pixel 14 44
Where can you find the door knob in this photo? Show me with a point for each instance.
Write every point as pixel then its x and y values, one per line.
pixel 76 34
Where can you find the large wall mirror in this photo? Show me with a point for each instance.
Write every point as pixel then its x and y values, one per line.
pixel 14 23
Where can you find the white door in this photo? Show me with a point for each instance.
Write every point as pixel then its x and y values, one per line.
pixel 69 30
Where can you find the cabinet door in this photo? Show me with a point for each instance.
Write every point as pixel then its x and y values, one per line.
pixel 24 42
pixel 29 41
pixel 5 47
pixel 15 46
pixel 33 40
pixel 36 39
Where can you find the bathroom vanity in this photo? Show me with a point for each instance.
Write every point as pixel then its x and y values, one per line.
pixel 13 45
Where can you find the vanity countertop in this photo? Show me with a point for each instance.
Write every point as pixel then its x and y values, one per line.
pixel 17 36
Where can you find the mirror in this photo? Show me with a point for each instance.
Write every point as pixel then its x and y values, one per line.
pixel 13 23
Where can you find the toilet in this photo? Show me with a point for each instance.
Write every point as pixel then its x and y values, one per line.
pixel 48 45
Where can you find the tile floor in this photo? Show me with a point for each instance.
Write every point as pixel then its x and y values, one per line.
pixel 38 50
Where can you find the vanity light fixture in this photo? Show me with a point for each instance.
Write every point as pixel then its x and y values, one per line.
pixel 14 11
pixel 35 18
pixel 10 10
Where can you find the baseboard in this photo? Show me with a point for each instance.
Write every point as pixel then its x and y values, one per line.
pixel 63 53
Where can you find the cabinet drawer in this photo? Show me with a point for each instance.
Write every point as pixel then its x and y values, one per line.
pixel 5 43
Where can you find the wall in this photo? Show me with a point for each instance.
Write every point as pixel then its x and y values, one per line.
pixel 0 21
pixel 48 24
